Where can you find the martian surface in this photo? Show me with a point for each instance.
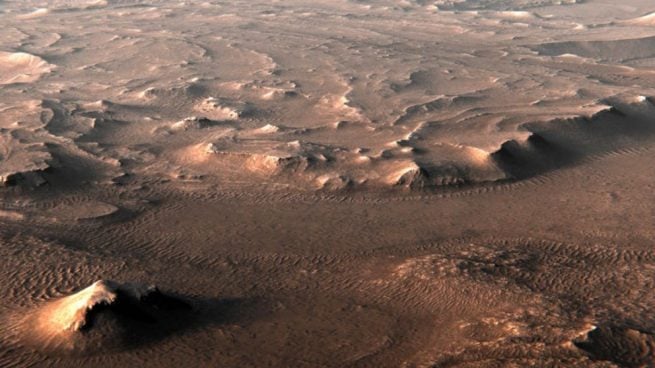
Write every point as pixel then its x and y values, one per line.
pixel 327 183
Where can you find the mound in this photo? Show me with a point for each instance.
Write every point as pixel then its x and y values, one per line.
pixel 408 175
pixel 21 67
pixel 191 123
pixel 103 316
pixel 222 109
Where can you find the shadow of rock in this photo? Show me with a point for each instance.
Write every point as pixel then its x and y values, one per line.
pixel 622 345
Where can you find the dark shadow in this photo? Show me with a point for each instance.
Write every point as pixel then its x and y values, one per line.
pixel 129 324
pixel 563 143
pixel 622 345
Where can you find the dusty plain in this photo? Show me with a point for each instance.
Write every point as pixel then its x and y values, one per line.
pixel 331 183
